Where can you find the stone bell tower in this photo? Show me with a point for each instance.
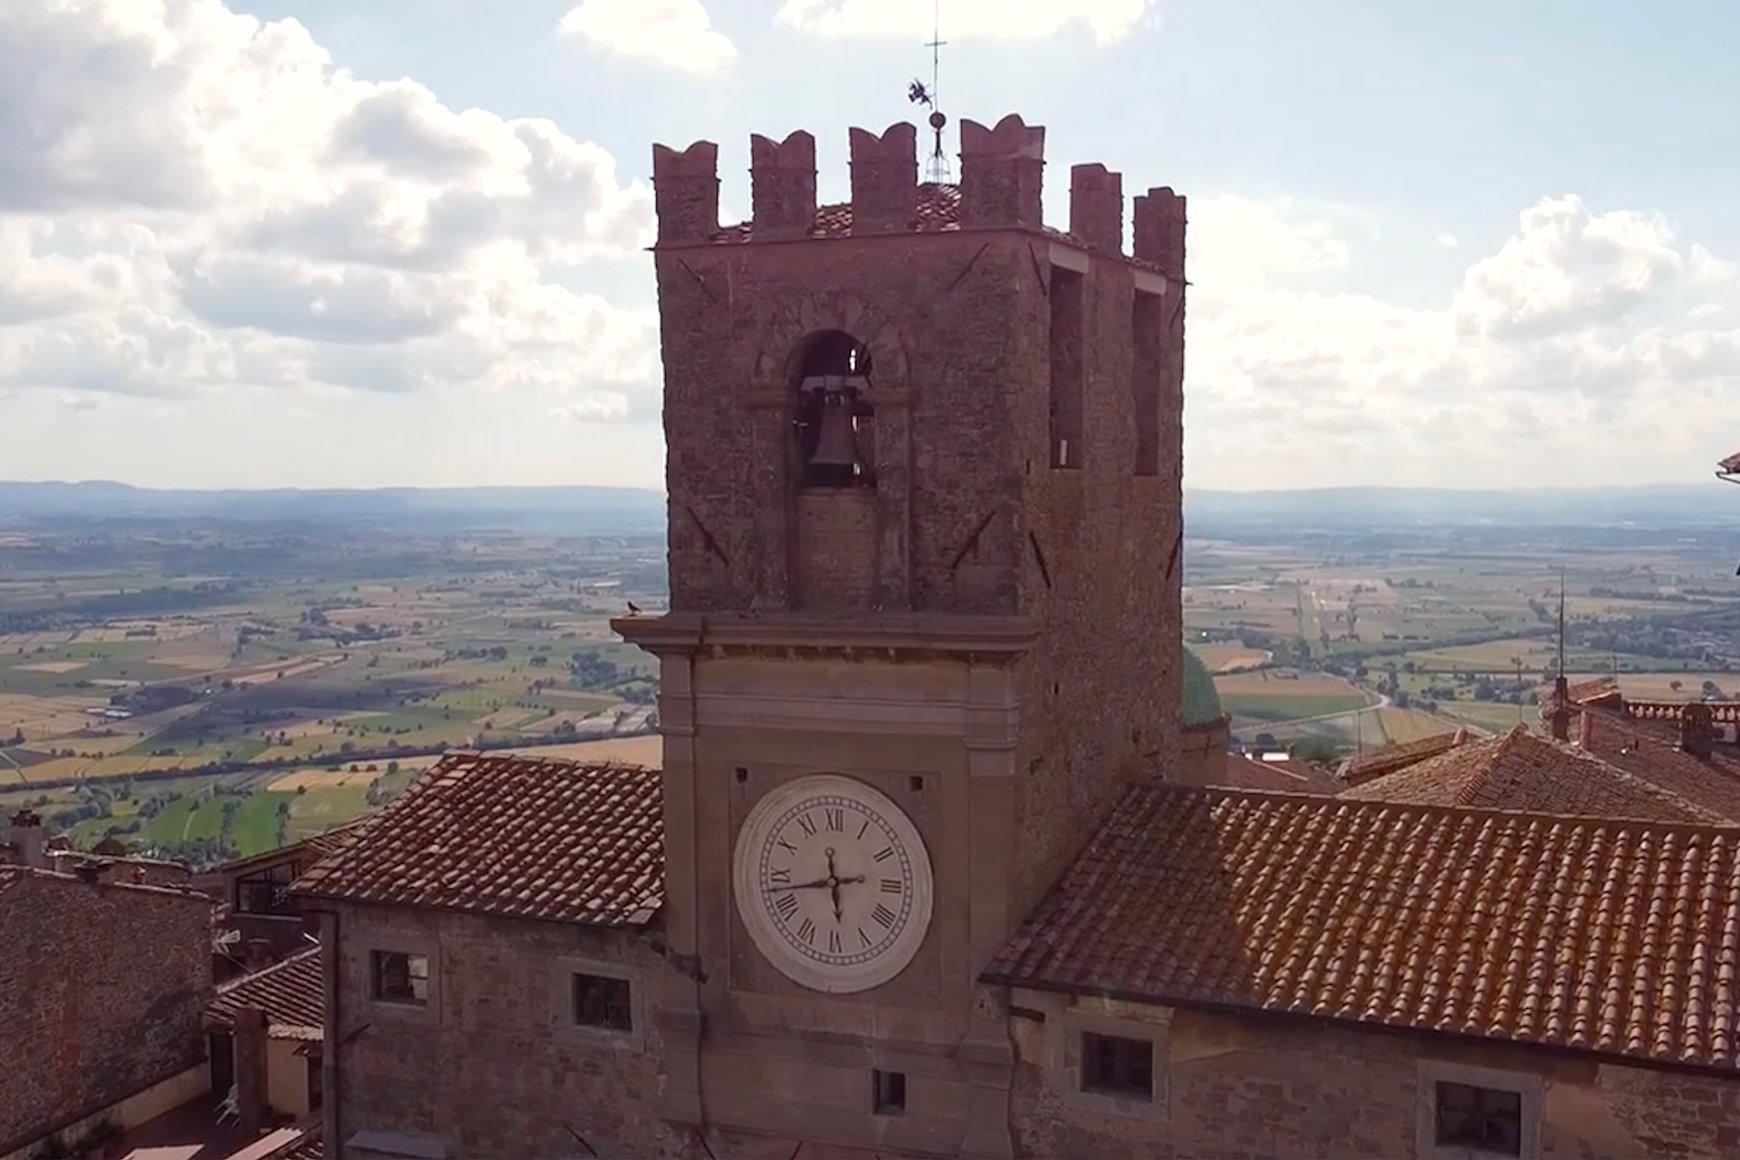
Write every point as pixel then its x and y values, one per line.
pixel 925 531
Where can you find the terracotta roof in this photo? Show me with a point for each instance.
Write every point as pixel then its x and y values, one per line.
pixel 1616 937
pixel 1641 750
pixel 513 836
pixel 292 994
pixel 937 210
pixel 1383 761
pixel 1724 712
pixel 1286 776
pixel 1520 771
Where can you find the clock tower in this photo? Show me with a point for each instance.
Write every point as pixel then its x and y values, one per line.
pixel 923 464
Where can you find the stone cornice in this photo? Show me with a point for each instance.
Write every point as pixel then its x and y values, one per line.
pixel 886 636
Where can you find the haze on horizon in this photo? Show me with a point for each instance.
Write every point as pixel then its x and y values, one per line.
pixel 331 243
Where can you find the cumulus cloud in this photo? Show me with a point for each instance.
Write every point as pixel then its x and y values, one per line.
pixel 1107 21
pixel 1573 353
pixel 675 33
pixel 193 199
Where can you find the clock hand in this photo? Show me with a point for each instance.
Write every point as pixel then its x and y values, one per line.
pixel 816 885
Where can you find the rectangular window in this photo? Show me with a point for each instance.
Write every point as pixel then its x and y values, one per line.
pixel 602 1001
pixel 267 891
pixel 401 977
pixel 1475 1117
pixel 1066 367
pixel 1117 1066
pixel 890 1092
pixel 1147 365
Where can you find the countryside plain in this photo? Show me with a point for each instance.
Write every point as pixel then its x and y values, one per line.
pixel 199 682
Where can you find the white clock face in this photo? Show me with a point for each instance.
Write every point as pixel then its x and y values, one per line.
pixel 833 883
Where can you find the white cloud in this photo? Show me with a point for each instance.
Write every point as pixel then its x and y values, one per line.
pixel 1448 241
pixel 193 200
pixel 1108 21
pixel 675 33
pixel 1572 354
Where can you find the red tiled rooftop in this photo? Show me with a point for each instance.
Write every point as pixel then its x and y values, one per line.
pixel 937 210
pixel 1651 753
pixel 1383 761
pixel 1520 771
pixel 513 836
pixel 291 993
pixel 1284 776
pixel 1615 937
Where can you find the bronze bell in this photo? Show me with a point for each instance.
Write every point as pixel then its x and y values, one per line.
pixel 836 439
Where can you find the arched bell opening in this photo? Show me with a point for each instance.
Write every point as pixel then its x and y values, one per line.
pixel 833 426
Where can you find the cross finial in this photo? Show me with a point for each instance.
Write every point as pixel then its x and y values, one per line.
pixel 936 166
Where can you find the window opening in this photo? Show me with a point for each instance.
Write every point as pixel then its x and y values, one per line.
pixel 1117 1066
pixel 890 1097
pixel 602 1001
pixel 401 977
pixel 1477 1117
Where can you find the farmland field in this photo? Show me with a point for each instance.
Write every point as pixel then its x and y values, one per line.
pixel 299 680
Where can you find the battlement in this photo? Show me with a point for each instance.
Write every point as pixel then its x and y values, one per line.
pixel 1001 188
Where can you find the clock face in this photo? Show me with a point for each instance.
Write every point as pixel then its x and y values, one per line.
pixel 833 883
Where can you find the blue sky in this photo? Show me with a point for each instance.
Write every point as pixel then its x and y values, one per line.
pixel 1431 244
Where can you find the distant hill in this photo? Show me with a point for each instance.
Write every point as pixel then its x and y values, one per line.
pixel 578 510
pixel 1656 507
pixel 638 511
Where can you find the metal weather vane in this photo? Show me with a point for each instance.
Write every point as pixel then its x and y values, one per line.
pixel 936 166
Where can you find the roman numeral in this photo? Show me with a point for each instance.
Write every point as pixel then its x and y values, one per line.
pixel 836 819
pixel 781 877
pixel 885 853
pixel 891 886
pixel 787 905
pixel 881 914
pixel 807 932
pixel 833 942
pixel 786 846
pixel 863 937
pixel 863 828
pixel 809 826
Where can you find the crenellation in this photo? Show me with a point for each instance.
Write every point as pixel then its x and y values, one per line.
pixel 686 192
pixel 782 185
pixel 1002 174
pixel 1096 207
pixel 1159 230
pixel 884 179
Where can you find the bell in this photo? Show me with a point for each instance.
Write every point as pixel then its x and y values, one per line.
pixel 836 442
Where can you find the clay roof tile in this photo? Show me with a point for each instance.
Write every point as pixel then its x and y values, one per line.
pixel 1611 935
pixel 523 837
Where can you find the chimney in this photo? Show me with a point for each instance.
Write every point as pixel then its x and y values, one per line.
pixel 27 839
pixel 248 1045
pixel 90 871
pixel 1585 730
pixel 1460 737
pixel 1697 731
pixel 1561 709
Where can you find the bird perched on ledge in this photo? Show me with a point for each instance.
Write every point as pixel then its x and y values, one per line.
pixel 633 608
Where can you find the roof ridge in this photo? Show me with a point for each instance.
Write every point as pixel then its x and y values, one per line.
pixel 229 985
pixel 1373 806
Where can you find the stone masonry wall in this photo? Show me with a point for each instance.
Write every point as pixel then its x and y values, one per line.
pixel 1246 1087
pixel 493 1064
pixel 103 987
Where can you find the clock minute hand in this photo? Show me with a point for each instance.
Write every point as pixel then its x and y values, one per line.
pixel 816 885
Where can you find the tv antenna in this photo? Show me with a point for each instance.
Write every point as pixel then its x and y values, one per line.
pixel 936 166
